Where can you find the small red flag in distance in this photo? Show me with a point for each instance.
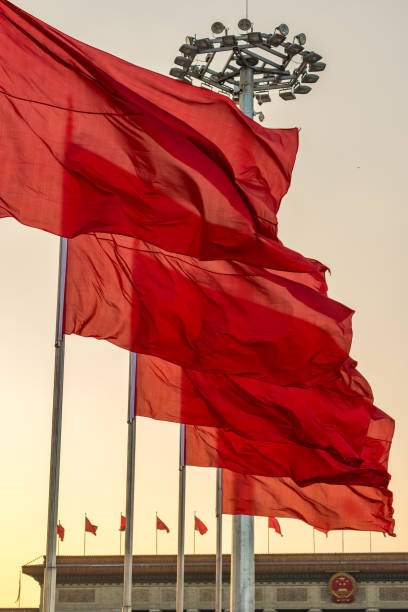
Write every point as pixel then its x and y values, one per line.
pixel 199 526
pixel 274 524
pixel 60 532
pixel 122 523
pixel 89 527
pixel 161 525
pixel 325 531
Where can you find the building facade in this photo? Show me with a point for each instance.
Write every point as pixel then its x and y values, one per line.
pixel 284 582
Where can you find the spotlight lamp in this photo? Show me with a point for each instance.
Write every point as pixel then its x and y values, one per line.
pixel 188 50
pixel 302 89
pixel 183 61
pixel 300 39
pixel 217 27
pixel 310 78
pixel 318 67
pixel 273 62
pixel 244 24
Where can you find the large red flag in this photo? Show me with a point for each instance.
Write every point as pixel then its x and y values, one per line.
pixel 273 523
pixel 335 419
pixel 89 527
pixel 211 316
pixel 161 526
pixel 146 155
pixel 324 506
pixel 215 447
pixel 200 526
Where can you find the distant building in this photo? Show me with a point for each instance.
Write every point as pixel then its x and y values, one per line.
pixel 284 582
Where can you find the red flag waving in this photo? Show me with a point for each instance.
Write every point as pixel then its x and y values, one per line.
pixel 213 316
pixel 170 175
pixel 273 523
pixel 200 526
pixel 334 418
pixel 215 447
pixel 122 523
pixel 320 505
pixel 60 532
pixel 89 527
pixel 161 525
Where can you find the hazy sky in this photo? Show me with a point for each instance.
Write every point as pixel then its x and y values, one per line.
pixel 346 207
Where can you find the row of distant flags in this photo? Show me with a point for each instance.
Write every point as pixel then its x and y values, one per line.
pixel 199 526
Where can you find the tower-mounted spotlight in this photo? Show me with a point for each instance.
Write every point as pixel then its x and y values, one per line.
pixel 244 24
pixel 318 67
pixel 300 39
pixel 279 35
pixel 259 60
pixel 217 27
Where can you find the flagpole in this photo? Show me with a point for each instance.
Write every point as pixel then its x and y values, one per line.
pixel 218 559
pixel 342 540
pixel 181 523
pixel 371 548
pixel 268 535
pixel 85 535
pixel 314 540
pixel 194 530
pixel 50 570
pixel 130 488
pixel 242 555
pixel 156 536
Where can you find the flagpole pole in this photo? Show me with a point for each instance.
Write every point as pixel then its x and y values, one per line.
pixel 130 488
pixel 242 555
pixel 268 535
pixel 50 570
pixel 218 560
pixel 181 523
pixel 342 540
pixel 85 535
pixel 194 530
pixel 371 548
pixel 156 536
pixel 314 540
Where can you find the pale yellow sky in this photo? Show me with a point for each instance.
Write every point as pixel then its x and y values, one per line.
pixel 346 207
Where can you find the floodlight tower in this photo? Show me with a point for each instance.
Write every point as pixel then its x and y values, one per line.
pixel 256 64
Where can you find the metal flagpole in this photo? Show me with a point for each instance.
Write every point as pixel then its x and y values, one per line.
pixel 85 535
pixel 181 523
pixel 268 535
pixel 218 559
pixel 314 540
pixel 371 548
pixel 156 533
pixel 194 531
pixel 50 570
pixel 130 488
pixel 242 558
pixel 342 541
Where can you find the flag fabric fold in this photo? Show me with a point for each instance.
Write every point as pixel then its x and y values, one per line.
pixel 215 447
pixel 122 523
pixel 323 506
pixel 335 419
pixel 89 527
pixel 209 316
pixel 161 526
pixel 144 155
pixel 199 525
pixel 273 523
